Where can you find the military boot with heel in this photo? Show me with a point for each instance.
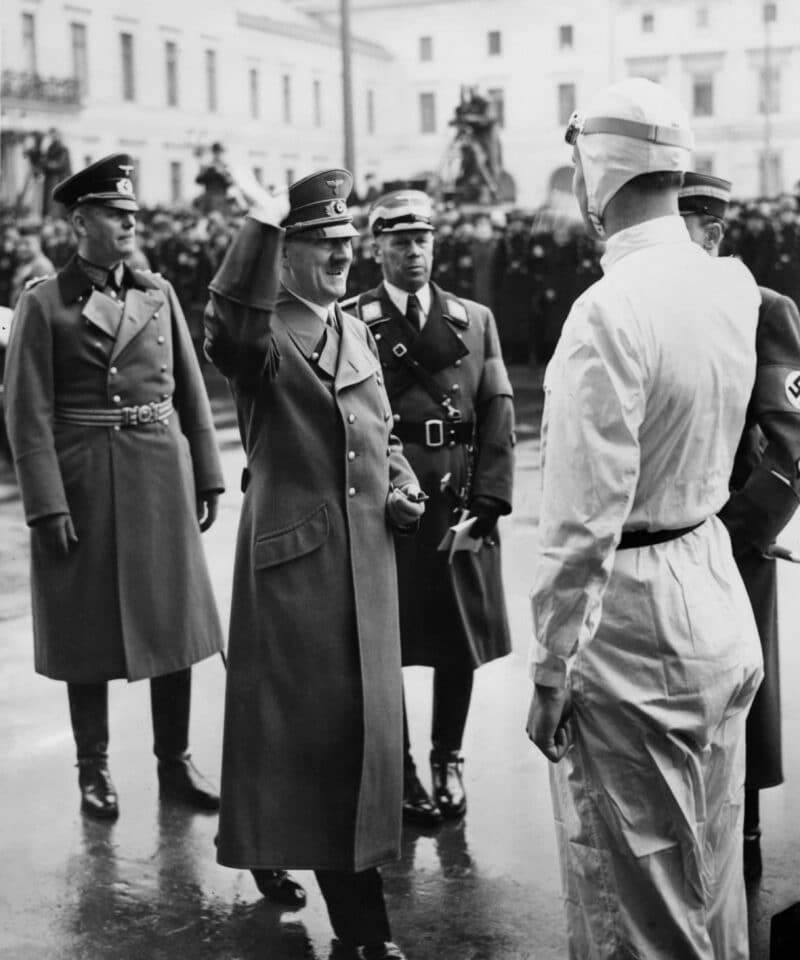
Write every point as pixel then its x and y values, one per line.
pixel 448 784
pixel 98 795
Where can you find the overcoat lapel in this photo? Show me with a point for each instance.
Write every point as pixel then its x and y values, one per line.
pixel 103 312
pixel 141 306
pixel 306 331
pixel 356 361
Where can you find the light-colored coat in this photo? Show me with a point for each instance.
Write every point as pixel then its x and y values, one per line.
pixel 133 598
pixel 311 772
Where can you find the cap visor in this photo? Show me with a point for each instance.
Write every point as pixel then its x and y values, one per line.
pixel 406 227
pixel 335 231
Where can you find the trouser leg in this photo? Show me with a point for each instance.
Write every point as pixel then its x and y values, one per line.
pixel 170 699
pixel 452 692
pixel 356 905
pixel 88 709
pixel 752 813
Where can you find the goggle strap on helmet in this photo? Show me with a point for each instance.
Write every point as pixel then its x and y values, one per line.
pixel 668 136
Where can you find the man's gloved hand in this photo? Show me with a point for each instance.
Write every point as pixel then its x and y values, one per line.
pixel 405 506
pixel 486 510
pixel 207 510
pixel 56 534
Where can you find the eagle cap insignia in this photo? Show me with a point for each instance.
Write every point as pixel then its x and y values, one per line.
pixel 457 310
pixel 334 184
pixel 126 168
pixel 124 186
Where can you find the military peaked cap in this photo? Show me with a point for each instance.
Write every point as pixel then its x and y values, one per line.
pixel 401 210
pixel 107 182
pixel 318 206
pixel 703 194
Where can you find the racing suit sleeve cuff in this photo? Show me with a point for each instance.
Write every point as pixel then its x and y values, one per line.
pixel 546 668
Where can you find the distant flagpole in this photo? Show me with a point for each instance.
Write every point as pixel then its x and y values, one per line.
pixel 347 89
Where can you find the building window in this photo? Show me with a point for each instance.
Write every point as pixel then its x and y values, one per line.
pixel 29 42
pixel 770 172
pixel 128 69
pixel 258 173
pixel 495 41
pixel 175 181
pixel 426 48
pixel 427 113
pixel 648 23
pixel 701 17
pixel 211 80
pixel 703 96
pixel 703 163
pixel 497 96
pixel 769 90
pixel 255 104
pixel 289 176
pixel 565 37
pixel 370 111
pixel 770 11
pixel 80 56
pixel 286 98
pixel 316 89
pixel 171 65
pixel 566 102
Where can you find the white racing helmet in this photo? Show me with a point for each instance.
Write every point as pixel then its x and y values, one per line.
pixel 633 127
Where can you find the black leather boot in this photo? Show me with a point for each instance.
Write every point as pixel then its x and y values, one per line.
pixel 279 887
pixel 448 784
pixel 753 867
pixel 98 796
pixel 181 782
pixel 418 808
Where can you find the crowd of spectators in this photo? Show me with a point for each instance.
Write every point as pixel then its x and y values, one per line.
pixel 529 267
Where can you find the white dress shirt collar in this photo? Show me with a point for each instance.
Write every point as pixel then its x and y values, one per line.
pixel 400 299
pixel 324 313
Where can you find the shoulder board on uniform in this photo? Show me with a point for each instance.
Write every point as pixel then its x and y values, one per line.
pixel 456 311
pixel 35 281
pixel 371 312
pixel 349 303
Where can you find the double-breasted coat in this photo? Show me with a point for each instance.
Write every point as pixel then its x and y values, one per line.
pixel 133 597
pixel 311 769
pixel 459 348
pixel 765 489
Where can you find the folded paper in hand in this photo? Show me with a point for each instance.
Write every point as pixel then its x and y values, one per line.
pixel 458 538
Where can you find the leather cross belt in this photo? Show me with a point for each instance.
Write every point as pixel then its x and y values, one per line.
pixel 137 416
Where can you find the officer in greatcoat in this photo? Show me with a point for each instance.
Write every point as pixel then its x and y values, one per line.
pixel 452 403
pixel 311 770
pixel 765 487
pixel 114 447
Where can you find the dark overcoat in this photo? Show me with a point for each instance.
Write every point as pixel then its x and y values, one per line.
pixel 459 347
pixel 133 598
pixel 311 769
pixel 765 487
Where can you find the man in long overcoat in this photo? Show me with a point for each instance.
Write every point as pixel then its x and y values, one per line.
pixel 452 401
pixel 114 447
pixel 312 742
pixel 765 488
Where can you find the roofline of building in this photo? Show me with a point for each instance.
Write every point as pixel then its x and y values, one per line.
pixel 311 34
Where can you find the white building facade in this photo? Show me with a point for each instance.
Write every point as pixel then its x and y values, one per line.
pixel 163 79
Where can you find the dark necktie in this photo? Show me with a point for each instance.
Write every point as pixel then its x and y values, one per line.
pixel 413 312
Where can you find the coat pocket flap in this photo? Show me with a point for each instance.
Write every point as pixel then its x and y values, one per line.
pixel 301 537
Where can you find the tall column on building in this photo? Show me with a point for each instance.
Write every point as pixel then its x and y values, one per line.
pixel 347 89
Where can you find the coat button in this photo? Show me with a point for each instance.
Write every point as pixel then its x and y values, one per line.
pixel 377 337
pixel 117 427
pixel 113 371
pixel 315 356
pixel 457 363
pixel 452 443
pixel 351 418
pixel 163 368
pixel 396 418
pixel 351 455
pixel 160 339
pixel 455 388
pixel 117 398
pixel 351 492
pixel 165 396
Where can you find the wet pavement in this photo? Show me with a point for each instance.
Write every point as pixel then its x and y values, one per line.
pixel 148 888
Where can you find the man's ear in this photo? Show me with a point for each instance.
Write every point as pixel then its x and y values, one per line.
pixel 376 251
pixel 713 236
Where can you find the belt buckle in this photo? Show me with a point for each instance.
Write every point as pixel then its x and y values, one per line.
pixel 130 416
pixel 146 413
pixel 434 428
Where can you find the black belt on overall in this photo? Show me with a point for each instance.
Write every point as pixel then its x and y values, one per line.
pixel 646 538
pixel 435 433
pixel 137 416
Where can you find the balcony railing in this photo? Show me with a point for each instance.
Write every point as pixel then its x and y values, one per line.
pixel 33 88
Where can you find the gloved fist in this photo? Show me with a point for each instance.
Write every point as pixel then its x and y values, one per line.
pixel 406 506
pixel 56 534
pixel 486 510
